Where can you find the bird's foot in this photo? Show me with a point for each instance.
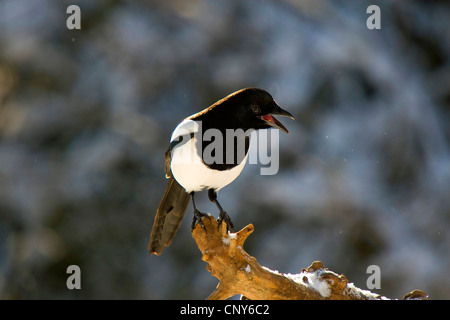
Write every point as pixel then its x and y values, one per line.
pixel 223 216
pixel 198 216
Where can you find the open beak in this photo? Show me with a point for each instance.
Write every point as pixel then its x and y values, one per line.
pixel 273 122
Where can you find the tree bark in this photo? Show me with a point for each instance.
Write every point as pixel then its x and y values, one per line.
pixel 240 273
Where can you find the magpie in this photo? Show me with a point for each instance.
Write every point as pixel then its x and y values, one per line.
pixel 202 156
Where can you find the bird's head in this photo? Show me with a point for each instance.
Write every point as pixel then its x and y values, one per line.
pixel 257 109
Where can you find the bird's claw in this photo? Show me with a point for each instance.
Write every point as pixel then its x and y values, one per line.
pixel 223 216
pixel 198 216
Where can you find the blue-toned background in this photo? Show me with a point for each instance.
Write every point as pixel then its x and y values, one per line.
pixel 86 115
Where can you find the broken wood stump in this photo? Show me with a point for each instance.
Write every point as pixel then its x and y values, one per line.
pixel 240 273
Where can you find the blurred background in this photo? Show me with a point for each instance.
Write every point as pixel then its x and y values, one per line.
pixel 86 115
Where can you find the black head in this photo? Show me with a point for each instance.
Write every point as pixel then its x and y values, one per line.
pixel 249 108
pixel 255 109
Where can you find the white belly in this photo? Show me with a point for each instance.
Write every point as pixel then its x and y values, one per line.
pixel 189 170
pixel 197 177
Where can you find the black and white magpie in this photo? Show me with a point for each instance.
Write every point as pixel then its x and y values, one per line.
pixel 192 165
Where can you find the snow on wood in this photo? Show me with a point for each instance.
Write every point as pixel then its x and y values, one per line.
pixel 240 273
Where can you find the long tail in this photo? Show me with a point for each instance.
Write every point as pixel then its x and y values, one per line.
pixel 168 217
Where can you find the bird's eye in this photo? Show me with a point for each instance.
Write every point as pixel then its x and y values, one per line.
pixel 256 109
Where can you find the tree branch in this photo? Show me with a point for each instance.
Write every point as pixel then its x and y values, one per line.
pixel 240 273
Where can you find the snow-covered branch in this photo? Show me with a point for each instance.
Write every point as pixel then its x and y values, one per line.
pixel 240 273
